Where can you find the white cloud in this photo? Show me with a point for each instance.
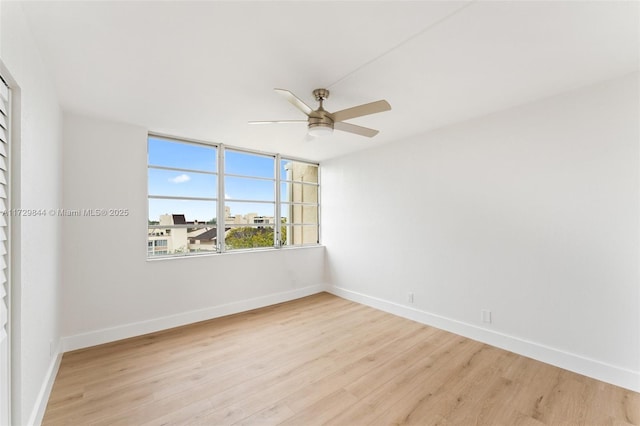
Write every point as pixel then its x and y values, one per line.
pixel 180 179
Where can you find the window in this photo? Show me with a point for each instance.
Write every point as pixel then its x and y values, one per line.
pixel 182 188
pixel 299 206
pixel 250 200
pixel 207 198
pixel 157 247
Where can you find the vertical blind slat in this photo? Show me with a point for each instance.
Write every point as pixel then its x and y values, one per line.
pixel 3 313
pixel 5 367
pixel 4 90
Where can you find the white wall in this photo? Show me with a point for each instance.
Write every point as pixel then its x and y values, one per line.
pixel 37 165
pixel 532 213
pixel 111 291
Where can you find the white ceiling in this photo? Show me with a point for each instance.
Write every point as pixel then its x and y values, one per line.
pixel 203 69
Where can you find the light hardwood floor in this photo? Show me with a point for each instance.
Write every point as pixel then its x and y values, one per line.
pixel 322 360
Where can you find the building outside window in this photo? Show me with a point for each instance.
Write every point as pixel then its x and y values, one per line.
pixel 299 208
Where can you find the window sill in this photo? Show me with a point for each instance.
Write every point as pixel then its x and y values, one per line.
pixel 233 252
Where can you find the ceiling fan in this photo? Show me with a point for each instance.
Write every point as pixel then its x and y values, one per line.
pixel 322 122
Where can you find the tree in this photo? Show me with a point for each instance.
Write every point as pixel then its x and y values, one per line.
pixel 249 237
pixel 253 236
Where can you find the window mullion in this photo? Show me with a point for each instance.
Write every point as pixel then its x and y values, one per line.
pixel 220 222
pixel 318 203
pixel 278 219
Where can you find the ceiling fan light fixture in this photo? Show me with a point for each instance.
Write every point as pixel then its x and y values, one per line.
pixel 320 129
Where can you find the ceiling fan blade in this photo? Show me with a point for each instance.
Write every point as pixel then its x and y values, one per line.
pixel 360 110
pixel 278 122
pixel 295 101
pixel 358 130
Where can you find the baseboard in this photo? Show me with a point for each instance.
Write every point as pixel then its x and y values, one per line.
pixel 106 335
pixel 40 405
pixel 625 378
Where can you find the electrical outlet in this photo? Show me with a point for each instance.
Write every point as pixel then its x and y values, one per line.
pixel 410 297
pixel 485 316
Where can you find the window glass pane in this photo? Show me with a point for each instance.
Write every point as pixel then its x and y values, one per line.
pixel 298 192
pixel 248 237
pixel 176 241
pixel 203 240
pixel 181 155
pixel 300 235
pixel 299 214
pixel 240 213
pixel 157 246
pixel 285 213
pixel 298 171
pixel 180 212
pixel 182 184
pixel 242 163
pixel 237 188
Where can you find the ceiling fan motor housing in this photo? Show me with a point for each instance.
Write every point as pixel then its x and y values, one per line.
pixel 320 120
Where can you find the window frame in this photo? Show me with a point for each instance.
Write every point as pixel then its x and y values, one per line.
pixel 215 199
pixel 291 224
pixel 276 232
pixel 221 201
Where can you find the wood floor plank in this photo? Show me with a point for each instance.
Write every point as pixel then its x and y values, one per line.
pixel 230 383
pixel 373 364
pixel 461 395
pixel 322 360
pixel 306 387
pixel 379 401
pixel 289 376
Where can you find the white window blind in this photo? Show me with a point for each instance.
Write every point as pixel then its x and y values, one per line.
pixel 4 206
pixel 5 387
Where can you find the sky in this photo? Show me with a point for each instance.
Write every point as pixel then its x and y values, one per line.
pixel 201 182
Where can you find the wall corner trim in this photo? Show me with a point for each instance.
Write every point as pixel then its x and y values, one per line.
pixel 40 405
pixel 598 370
